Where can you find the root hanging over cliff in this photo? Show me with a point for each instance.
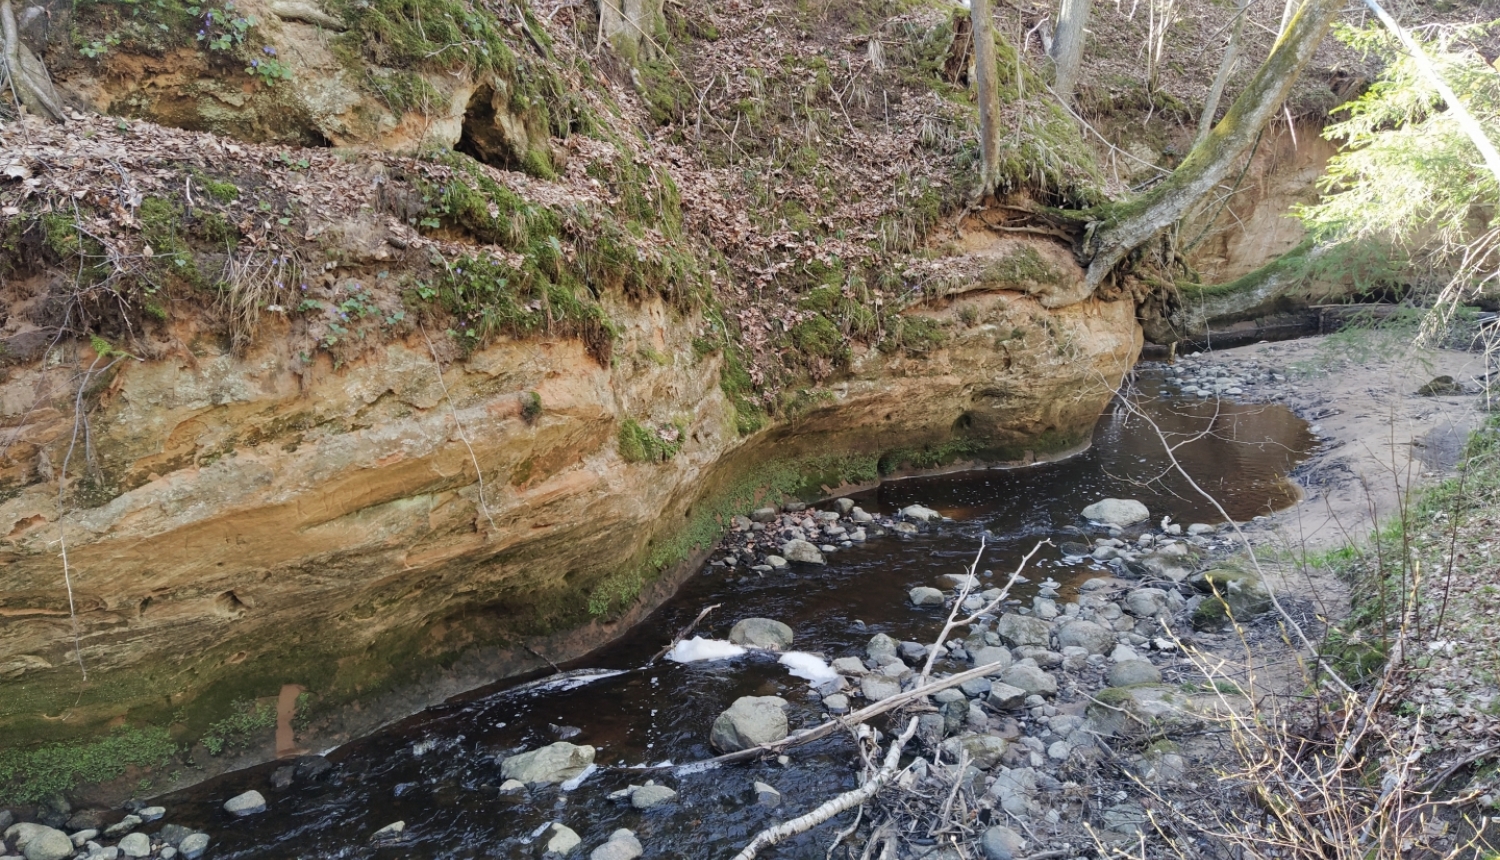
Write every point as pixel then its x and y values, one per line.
pixel 23 74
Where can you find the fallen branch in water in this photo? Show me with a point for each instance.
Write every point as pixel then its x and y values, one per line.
pixel 682 634
pixel 846 801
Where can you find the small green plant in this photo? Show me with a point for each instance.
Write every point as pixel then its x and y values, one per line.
pixel 99 47
pixel 531 407
pixel 235 730
pixel 642 444
pixel 27 776
pixel 269 69
pixel 221 30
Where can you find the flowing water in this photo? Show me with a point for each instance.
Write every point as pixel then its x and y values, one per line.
pixel 439 772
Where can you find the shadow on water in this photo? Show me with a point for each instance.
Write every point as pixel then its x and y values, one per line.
pixel 438 771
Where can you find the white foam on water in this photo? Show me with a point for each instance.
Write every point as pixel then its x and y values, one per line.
pixel 697 649
pixel 807 666
pixel 578 780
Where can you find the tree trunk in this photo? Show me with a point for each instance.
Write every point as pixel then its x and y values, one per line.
pixel 987 88
pixel 1226 68
pixel 631 26
pixel 1067 46
pixel 27 76
pixel 1133 224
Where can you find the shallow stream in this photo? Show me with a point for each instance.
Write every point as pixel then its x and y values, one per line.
pixel 439 771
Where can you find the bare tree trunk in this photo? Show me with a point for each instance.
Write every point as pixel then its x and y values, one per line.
pixel 27 76
pixel 631 26
pixel 1226 68
pixel 1067 46
pixel 1130 226
pixel 987 88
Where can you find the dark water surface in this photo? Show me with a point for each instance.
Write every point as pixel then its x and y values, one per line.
pixel 438 771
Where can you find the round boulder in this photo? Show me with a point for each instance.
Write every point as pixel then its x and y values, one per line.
pixel 1128 673
pixel 554 763
pixel 750 722
pixel 924 595
pixel 802 551
pixel 1087 635
pixel 761 633
pixel 249 803
pixel 1117 512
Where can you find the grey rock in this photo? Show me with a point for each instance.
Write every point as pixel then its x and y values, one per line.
pixel 558 839
pixel 1140 711
pixel 152 813
pixel 1117 512
pixel 920 513
pixel 931 728
pixel 512 787
pixel 1087 635
pixel 959 580
pixel 173 834
pixel 984 751
pixel 193 845
pixel 860 516
pixel 991 654
pixel 765 795
pixel 802 551
pixel 836 704
pixel 83 836
pixel 975 687
pixel 1031 679
pixel 1001 843
pixel 1197 529
pixel 168 853
pixel 1128 818
pixel 1017 630
pixel 943 697
pixel 306 12
pixel 123 826
pixel 878 687
pixel 391 831
pixel 1075 658
pixel 1044 608
pixel 136 845
pixel 924 595
pixel 761 633
pixel 843 506
pixel 249 803
pixel 1015 790
pixel 7 818
pixel 894 669
pixel 776 562
pixel 1128 673
pixel 750 722
pixel 849 666
pixel 1231 594
pixel 1043 657
pixel 1146 602
pixel 763 515
pixel 554 763
pixel 1006 698
pixel 912 651
pixel 622 845
pixel 648 796
pixel 1122 653
pixel 40 842
pixel 1160 565
pixel 904 529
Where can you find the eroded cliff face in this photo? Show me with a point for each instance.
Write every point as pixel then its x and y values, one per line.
pixel 388 535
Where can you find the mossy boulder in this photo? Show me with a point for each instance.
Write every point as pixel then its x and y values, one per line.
pixel 1141 710
pixel 1231 596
